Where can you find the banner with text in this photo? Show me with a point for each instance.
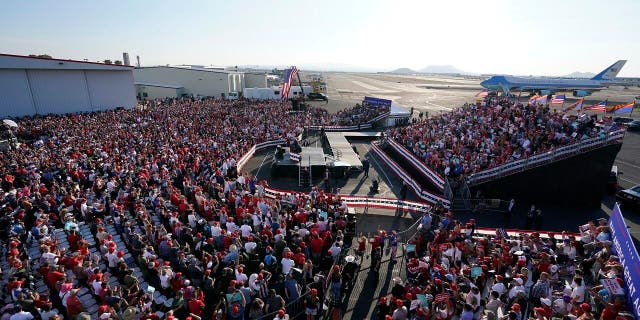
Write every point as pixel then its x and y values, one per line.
pixel 628 254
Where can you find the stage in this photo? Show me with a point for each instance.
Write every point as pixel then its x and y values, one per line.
pixel 284 165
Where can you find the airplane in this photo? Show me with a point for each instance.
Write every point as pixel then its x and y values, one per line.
pixel 545 86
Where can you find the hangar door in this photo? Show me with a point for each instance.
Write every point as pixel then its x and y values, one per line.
pixel 59 91
pixel 111 89
pixel 15 96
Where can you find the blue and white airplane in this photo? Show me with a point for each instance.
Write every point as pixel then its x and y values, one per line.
pixel 545 86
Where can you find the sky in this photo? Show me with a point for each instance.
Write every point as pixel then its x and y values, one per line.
pixel 505 37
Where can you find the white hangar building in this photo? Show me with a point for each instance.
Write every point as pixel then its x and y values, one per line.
pixel 175 81
pixel 30 86
pixel 192 81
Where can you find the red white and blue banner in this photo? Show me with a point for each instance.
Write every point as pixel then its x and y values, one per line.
pixel 287 81
pixel 625 250
pixel 418 164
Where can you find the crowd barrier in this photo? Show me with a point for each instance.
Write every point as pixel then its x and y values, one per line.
pixel 537 160
pixel 367 125
pixel 247 156
pixel 404 176
pixel 517 232
pixel 365 202
pixel 419 165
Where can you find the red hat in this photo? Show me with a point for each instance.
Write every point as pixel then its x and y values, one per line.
pixel 499 277
pixel 236 308
pixel 388 317
pixel 198 235
pixel 383 300
pixel 336 268
pixel 240 269
pixel 178 274
pixel 166 263
pixel 210 240
pixel 260 276
pixel 409 296
pixel 438 281
pixel 109 237
pixel 281 313
pixel 515 307
pixel 207 272
pixel 303 244
pixel 232 283
pixel 399 303
pixel 112 244
pixel 585 307
pixel 120 254
pixel 112 250
pixel 314 291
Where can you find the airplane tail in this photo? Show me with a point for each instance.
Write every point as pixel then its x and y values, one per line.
pixel 611 72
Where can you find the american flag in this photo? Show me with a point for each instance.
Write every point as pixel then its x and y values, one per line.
pixel 600 107
pixel 287 81
pixel 558 99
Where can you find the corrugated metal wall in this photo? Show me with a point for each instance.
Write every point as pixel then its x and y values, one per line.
pixel 59 91
pixel 27 92
pixel 15 97
pixel 103 84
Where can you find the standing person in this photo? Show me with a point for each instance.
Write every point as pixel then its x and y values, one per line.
pixel 530 217
pixel 509 213
pixel 365 167
pixel 393 244
pixel 403 191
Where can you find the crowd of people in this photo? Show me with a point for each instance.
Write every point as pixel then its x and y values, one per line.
pixel 142 214
pixel 455 272
pixel 473 137
pixel 356 115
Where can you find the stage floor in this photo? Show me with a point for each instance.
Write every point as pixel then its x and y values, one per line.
pixel 308 157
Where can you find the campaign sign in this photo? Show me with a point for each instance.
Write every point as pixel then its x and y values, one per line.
pixel 377 101
pixel 626 251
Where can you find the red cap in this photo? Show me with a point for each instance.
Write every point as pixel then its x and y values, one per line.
pixel 585 307
pixel 260 276
pixel 409 296
pixel 236 308
pixel 166 263
pixel 120 254
pixel 383 300
pixel 499 277
pixel 207 272
pixel 281 312
pixel 336 268
pixel 314 291
pixel 233 283
pixel 388 317
pixel 399 303
pixel 438 281
pixel 515 307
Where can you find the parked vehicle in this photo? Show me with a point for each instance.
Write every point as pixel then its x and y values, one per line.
pixel 622 120
pixel 633 125
pixel 317 96
pixel 629 197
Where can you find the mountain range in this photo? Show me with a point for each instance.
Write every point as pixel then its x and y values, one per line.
pixel 445 69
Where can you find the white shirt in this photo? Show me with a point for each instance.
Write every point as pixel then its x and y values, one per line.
pixel 112 258
pixel 250 246
pixel 499 287
pixel 246 230
pixel 578 294
pixel 22 315
pixel 232 227
pixel 287 264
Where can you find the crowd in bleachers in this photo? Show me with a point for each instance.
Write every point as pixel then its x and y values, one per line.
pixel 456 272
pixel 358 114
pixel 142 214
pixel 473 137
